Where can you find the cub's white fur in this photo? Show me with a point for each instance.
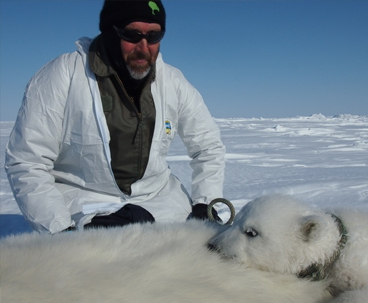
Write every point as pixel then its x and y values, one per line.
pixel 282 235
pixel 139 263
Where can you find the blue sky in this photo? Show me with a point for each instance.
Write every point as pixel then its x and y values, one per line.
pixel 247 58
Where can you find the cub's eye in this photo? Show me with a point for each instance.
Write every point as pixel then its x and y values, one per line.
pixel 250 232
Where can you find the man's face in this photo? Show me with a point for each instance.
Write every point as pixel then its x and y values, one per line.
pixel 140 57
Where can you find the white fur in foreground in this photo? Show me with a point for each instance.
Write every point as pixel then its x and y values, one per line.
pixel 279 234
pixel 138 263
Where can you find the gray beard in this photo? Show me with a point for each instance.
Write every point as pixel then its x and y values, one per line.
pixel 138 74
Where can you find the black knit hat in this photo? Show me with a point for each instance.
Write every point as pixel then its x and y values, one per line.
pixel 122 12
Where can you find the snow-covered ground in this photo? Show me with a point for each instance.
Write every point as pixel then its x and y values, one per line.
pixel 321 160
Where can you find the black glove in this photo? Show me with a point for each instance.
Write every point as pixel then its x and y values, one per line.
pixel 129 214
pixel 199 212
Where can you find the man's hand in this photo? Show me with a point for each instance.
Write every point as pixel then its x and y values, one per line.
pixel 199 212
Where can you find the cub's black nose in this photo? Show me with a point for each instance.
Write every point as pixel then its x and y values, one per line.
pixel 212 247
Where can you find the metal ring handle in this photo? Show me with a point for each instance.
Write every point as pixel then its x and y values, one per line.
pixel 225 201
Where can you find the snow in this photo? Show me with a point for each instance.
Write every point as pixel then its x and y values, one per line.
pixel 320 160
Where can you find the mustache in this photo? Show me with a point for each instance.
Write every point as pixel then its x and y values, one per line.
pixel 138 56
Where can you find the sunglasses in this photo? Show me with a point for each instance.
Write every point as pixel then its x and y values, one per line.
pixel 134 36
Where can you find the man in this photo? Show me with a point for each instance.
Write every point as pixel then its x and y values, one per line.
pixel 89 145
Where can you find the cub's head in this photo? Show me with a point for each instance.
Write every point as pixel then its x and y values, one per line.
pixel 279 234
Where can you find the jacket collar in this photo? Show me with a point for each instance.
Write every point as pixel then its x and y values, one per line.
pixel 98 59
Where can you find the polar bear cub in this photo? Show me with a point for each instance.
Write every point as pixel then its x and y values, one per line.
pixel 139 263
pixel 279 234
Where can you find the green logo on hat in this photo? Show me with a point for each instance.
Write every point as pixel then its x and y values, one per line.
pixel 153 6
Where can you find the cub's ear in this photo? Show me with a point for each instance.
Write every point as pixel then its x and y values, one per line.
pixel 311 228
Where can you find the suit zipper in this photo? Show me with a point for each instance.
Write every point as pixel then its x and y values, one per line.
pixel 139 117
pixel 138 114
